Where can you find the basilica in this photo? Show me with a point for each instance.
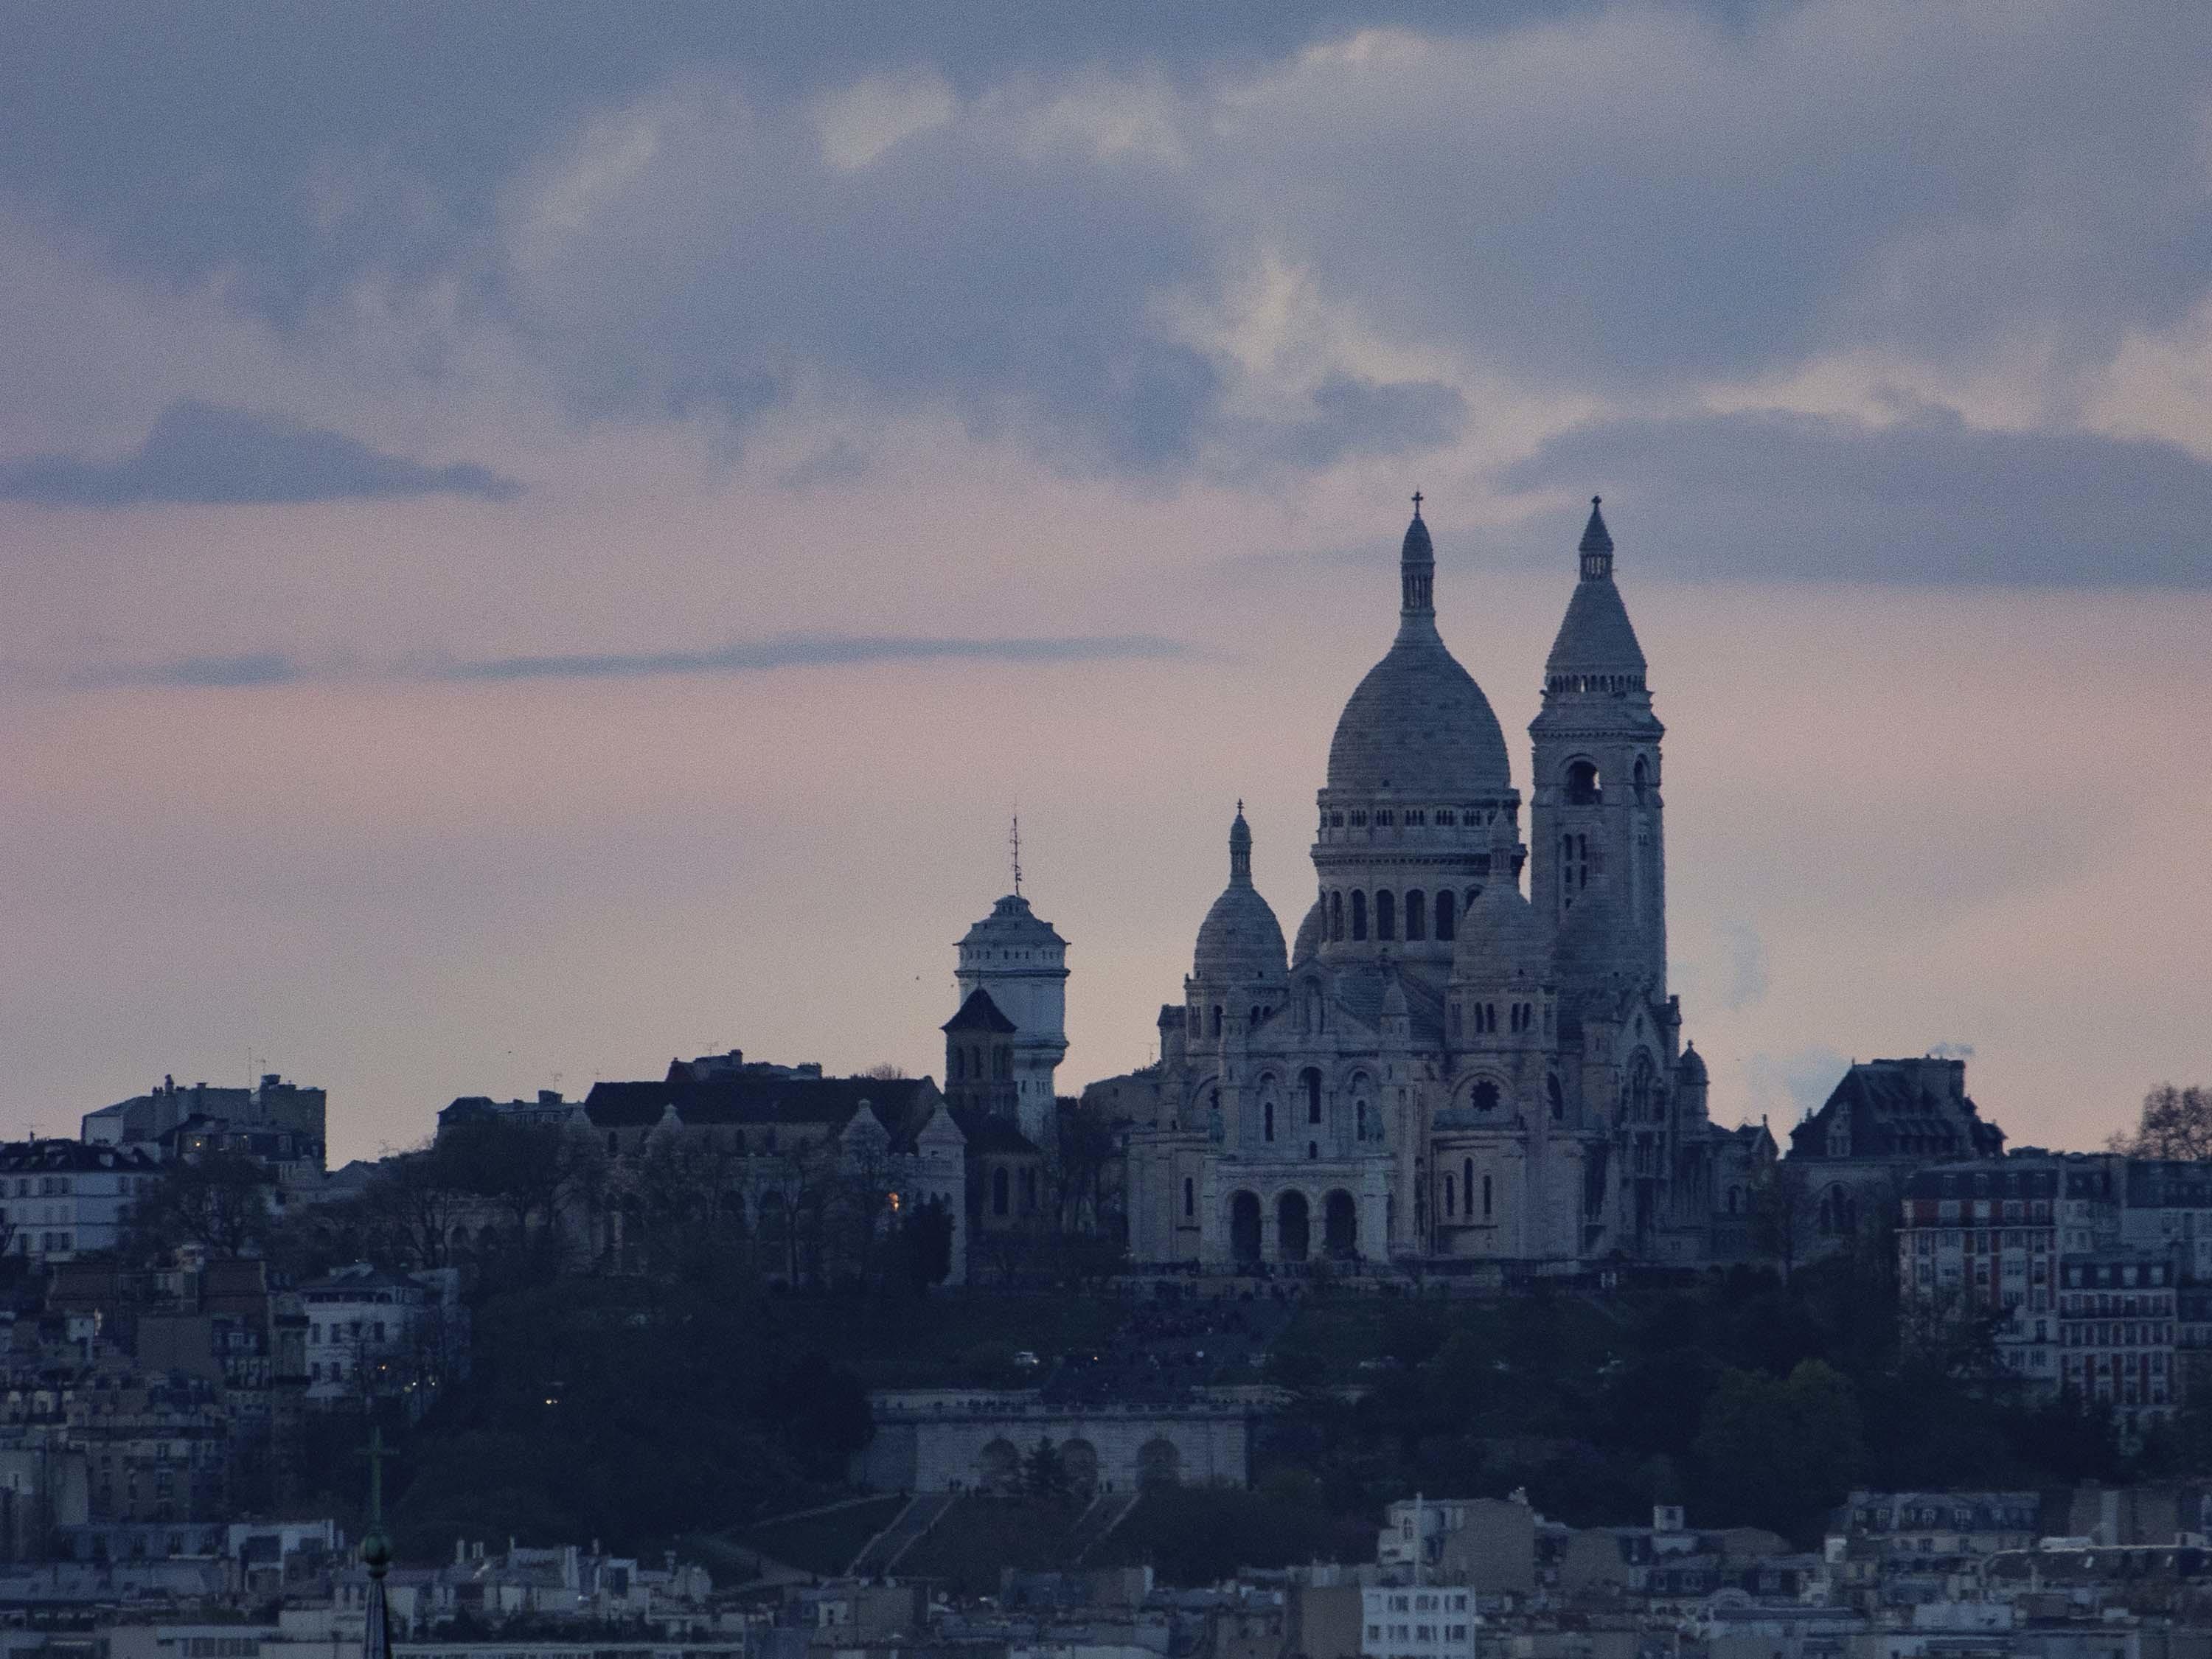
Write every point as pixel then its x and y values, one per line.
pixel 1448 1065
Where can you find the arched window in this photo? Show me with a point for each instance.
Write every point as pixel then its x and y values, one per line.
pixel 1448 1206
pixel 1484 1095
pixel 1486 1198
pixel 999 1187
pixel 1386 914
pixel 1467 1178
pixel 1254 1022
pixel 1189 1198
pixel 1359 1121
pixel 1313 1007
pixel 1444 918
pixel 1217 1019
pixel 1458 1020
pixel 1335 917
pixel 1311 1079
pixel 1267 1121
pixel 1359 914
pixel 1642 777
pixel 1029 1191
pixel 1313 1151
pixel 959 1063
pixel 1582 784
pixel 1417 916
pixel 1556 1096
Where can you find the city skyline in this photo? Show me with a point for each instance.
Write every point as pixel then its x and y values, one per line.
pixel 445 653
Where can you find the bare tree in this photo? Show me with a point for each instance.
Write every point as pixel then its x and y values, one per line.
pixel 1782 1213
pixel 2175 1123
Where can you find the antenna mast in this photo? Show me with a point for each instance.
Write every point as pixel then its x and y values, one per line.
pixel 1014 841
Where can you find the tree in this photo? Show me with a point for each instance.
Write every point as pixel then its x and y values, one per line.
pixel 1044 1471
pixel 925 1241
pixel 1782 1214
pixel 218 1202
pixel 2175 1123
pixel 1778 1454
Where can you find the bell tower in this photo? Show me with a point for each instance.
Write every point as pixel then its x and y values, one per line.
pixel 1596 831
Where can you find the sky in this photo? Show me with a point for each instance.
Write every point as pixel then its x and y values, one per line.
pixel 534 541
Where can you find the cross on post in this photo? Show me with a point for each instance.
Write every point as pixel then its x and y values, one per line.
pixel 1417 503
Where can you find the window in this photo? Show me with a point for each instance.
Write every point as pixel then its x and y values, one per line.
pixel 1445 818
pixel 1358 819
pixel 1386 916
pixel 1486 1198
pixel 1582 784
pixel 1382 819
pixel 1189 1198
pixel 1484 1095
pixel 1417 916
pixel 999 1189
pixel 1444 918
pixel 1359 914
pixel 1311 1079
pixel 1449 1209
pixel 1267 1121
pixel 1415 817
pixel 1335 917
pixel 1217 1019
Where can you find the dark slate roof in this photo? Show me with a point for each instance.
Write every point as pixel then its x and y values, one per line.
pixel 900 1103
pixel 987 1131
pixel 64 1157
pixel 978 1013
pixel 1903 1108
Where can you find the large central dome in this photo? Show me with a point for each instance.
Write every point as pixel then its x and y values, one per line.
pixel 1418 723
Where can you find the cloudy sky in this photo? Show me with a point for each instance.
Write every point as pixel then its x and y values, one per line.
pixel 534 540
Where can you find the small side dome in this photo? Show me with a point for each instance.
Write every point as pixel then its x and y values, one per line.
pixel 1594 939
pixel 1690 1069
pixel 1312 932
pixel 1499 936
pixel 1240 941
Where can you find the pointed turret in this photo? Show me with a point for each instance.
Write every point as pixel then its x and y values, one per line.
pixel 1240 943
pixel 1597 648
pixel 1417 569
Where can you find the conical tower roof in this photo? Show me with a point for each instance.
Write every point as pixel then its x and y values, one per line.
pixel 1596 637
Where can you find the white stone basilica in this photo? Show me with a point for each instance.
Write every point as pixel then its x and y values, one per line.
pixel 1442 1068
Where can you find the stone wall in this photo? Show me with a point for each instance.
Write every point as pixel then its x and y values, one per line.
pixel 980 1446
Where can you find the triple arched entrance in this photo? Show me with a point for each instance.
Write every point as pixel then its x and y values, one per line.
pixel 1292 1236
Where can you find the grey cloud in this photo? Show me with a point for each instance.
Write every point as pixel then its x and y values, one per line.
pixel 199 673
pixel 1600 197
pixel 1772 496
pixel 1357 416
pixel 819 651
pixel 1747 966
pixel 253 668
pixel 206 454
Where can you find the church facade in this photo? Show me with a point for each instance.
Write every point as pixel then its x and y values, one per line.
pixel 1469 1052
